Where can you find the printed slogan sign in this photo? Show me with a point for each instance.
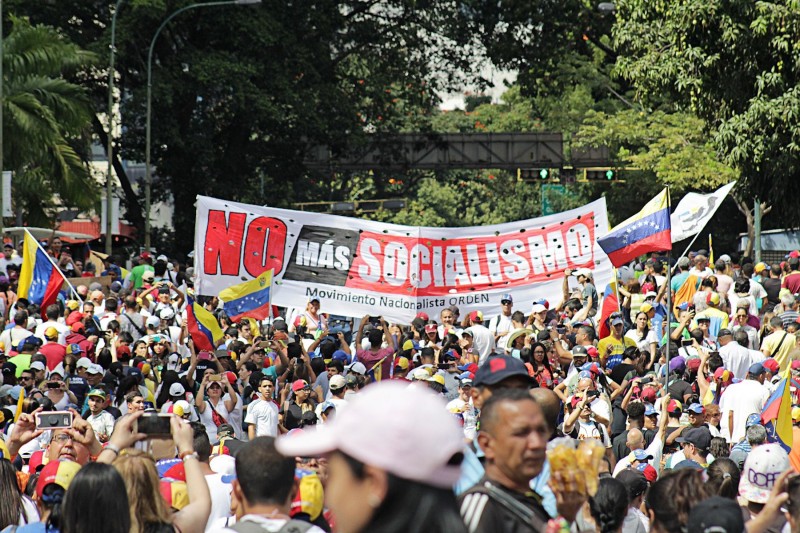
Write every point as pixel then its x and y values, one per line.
pixel 357 267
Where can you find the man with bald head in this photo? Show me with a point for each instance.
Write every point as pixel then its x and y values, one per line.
pixel 636 442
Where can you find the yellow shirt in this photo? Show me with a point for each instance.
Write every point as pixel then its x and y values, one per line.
pixel 617 346
pixel 770 345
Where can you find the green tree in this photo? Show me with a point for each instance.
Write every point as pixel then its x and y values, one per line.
pixel 46 121
pixel 736 66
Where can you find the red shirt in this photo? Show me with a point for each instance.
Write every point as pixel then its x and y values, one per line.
pixel 369 358
pixel 792 282
pixel 54 353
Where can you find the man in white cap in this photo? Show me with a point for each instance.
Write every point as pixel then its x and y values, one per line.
pixel 763 467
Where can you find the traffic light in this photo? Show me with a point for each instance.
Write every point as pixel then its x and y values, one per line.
pixel 535 174
pixel 600 174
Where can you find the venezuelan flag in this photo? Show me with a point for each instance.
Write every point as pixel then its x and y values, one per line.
pixel 610 305
pixel 39 279
pixel 203 327
pixel 777 414
pixel 250 298
pixel 646 231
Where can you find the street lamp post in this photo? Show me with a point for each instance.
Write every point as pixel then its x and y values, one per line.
pixel 147 171
pixel 110 150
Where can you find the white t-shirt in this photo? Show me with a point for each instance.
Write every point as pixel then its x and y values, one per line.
pixel 643 344
pixel 468 414
pixel 482 342
pixel 501 322
pixel 743 398
pixel 220 498
pixel 270 525
pixel 207 419
pixel 593 430
pixel 102 424
pixel 736 358
pixel 264 416
pixel 63 331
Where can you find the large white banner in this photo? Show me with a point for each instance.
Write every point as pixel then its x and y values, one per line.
pixel 357 267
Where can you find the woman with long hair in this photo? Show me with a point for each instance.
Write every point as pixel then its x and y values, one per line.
pixel 96 502
pixel 609 505
pixel 368 489
pixel 723 477
pixel 148 509
pixel 646 339
pixel 15 508
pixel 541 365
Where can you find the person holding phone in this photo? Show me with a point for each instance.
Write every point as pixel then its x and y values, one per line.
pixel 215 402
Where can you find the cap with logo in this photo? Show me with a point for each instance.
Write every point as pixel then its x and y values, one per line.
pixel 506 298
pixel 356 368
pixel 99 393
pixel 763 466
pixel 499 368
pixel 51 333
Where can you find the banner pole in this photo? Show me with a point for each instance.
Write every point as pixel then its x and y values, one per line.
pixel 669 306
pixel 685 251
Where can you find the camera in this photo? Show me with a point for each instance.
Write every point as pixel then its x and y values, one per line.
pixel 53 385
pixel 54 420
pixel 154 425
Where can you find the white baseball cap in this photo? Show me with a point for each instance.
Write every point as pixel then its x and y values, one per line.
pixel 95 369
pixel 410 446
pixel 166 313
pixel 37 365
pixel 585 272
pixel 337 382
pixel 538 308
pixel 83 362
pixel 357 368
pixel 763 466
pixel 153 321
pixel 176 389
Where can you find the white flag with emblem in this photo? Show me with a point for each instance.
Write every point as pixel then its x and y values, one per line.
pixel 695 210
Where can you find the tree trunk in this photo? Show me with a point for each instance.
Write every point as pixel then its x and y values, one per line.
pixel 133 212
pixel 751 226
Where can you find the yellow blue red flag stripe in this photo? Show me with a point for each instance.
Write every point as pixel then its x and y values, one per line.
pixel 248 299
pixel 777 414
pixel 646 231
pixel 203 327
pixel 39 280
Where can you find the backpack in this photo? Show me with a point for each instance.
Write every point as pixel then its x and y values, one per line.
pixel 292 526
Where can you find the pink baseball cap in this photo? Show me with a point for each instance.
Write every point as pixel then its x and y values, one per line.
pixel 416 443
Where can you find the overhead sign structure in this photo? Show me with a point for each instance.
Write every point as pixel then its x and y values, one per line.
pixel 357 267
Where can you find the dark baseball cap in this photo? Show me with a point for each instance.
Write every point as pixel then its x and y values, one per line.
pixel 699 437
pixel 715 514
pixel 498 368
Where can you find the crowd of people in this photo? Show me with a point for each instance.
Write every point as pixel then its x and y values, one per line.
pixel 313 422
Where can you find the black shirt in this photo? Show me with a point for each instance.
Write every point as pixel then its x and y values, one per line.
pixel 620 446
pixel 679 389
pixel 772 286
pixel 293 414
pixel 483 513
pixel 620 371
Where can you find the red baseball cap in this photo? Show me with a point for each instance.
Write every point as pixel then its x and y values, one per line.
pixel 592 351
pixel 423 315
pixel 231 377
pixel 58 472
pixel 299 385
pixel 795 365
pixel 771 365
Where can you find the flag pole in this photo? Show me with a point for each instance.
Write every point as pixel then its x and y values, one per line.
pixel 39 246
pixel 669 302
pixel 686 250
